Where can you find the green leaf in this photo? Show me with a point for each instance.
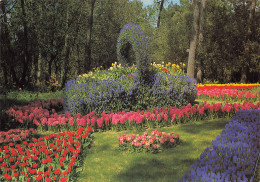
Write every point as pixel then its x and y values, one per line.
pixel 79 169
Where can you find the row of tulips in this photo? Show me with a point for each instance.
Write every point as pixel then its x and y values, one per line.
pixel 32 113
pixel 154 143
pixel 46 120
pixel 227 86
pixel 15 135
pixel 227 94
pixel 233 155
pixel 47 104
pixel 54 157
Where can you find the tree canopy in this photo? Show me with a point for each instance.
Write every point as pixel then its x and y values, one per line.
pixel 70 37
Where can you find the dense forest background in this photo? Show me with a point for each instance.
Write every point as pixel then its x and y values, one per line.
pixel 40 38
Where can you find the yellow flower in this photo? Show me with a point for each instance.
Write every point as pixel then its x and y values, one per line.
pixel 184 64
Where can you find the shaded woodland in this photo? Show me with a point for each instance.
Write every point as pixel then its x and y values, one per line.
pixel 67 38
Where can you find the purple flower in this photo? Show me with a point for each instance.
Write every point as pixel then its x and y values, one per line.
pixel 232 156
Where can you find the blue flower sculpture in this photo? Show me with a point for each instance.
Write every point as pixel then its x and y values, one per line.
pixel 132 34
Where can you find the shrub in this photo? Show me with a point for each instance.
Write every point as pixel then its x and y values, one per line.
pixel 168 90
pixel 132 35
pixel 105 95
pixel 125 94
pixel 232 156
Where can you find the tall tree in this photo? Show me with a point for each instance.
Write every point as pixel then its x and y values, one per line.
pixel 39 60
pixel 66 50
pixel 194 39
pixel 7 52
pixel 27 56
pixel 201 36
pixel 89 36
pixel 160 12
pixel 245 66
pixel 5 40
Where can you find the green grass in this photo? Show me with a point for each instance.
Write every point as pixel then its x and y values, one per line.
pixel 31 96
pixel 105 163
pixel 24 97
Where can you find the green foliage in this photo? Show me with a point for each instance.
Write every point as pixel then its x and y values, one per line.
pixel 42 37
pixel 223 47
pixel 171 40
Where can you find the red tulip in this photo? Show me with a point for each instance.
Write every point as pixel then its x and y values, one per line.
pixel 39 178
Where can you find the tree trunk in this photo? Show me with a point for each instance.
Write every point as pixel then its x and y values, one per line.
pixel 89 37
pixel 52 58
pixel 7 55
pixel 202 20
pixel 201 37
pixel 66 63
pixel 194 40
pixel 4 36
pixel 245 66
pixel 39 70
pixel 160 11
pixel 38 64
pixel 27 57
pixel 76 38
pixel 3 65
pixel 78 61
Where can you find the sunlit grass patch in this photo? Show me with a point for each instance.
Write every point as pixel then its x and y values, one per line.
pixel 106 163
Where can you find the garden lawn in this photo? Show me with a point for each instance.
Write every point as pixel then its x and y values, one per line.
pixel 105 163
pixel 12 98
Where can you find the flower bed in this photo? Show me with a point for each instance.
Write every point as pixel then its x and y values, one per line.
pixel 154 143
pixel 125 93
pixel 54 157
pixel 227 86
pixel 232 156
pixel 31 114
pixel 16 135
pixel 227 94
pixel 46 120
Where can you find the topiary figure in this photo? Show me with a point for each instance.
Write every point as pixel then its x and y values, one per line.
pixel 131 35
